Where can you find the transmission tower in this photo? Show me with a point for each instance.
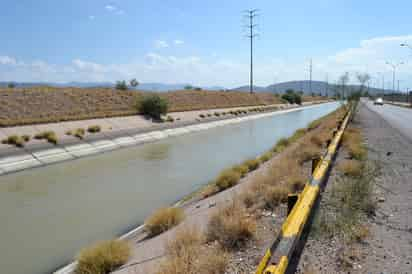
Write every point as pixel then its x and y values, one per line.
pixel 250 16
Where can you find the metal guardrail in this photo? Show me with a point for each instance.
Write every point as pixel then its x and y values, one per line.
pixel 277 257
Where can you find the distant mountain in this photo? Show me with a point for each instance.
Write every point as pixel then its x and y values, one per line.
pixel 318 87
pixel 247 88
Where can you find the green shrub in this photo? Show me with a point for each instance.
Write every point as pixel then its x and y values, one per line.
pixel 241 169
pixel 252 164
pixel 26 138
pixel 202 116
pixel 170 119
pixel 266 157
pixel 227 179
pixel 103 257
pixel 121 85
pixel 217 114
pixel 154 106
pixel 94 129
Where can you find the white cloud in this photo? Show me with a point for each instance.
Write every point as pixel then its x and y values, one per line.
pixel 178 42
pixel 370 55
pixel 114 9
pixel 161 44
pixel 6 60
pixel 110 8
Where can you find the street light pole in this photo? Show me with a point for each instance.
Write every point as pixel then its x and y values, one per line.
pixel 394 67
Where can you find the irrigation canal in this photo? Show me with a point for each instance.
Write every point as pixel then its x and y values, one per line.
pixel 48 214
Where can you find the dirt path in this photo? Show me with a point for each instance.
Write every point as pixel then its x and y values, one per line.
pixel 388 248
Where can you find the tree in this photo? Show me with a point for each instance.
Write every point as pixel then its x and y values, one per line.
pixel 188 87
pixel 11 85
pixel 198 89
pixel 121 85
pixel 134 83
pixel 292 97
pixel 363 78
pixel 343 81
pixel 154 106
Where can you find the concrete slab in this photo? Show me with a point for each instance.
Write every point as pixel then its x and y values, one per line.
pixel 143 138
pixel 104 145
pixel 81 150
pixel 16 163
pixel 125 141
pixel 55 158
pixel 158 135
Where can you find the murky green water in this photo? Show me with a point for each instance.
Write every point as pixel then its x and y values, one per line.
pixel 48 214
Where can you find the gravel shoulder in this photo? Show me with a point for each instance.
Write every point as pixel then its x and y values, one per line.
pixel 388 247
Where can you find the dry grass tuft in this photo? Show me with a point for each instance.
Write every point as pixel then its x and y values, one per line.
pixel 273 196
pixel 163 219
pixel 102 258
pixel 94 129
pixel 227 179
pixel 15 140
pixel 352 168
pixel 185 254
pixel 232 227
pixel 49 136
pixel 307 153
pixel 296 182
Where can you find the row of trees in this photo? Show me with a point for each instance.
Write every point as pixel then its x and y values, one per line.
pixel 122 85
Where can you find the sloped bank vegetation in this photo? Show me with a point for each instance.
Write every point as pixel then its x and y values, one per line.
pixel 233 227
pixel 23 106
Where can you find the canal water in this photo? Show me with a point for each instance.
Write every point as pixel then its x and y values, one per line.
pixel 48 214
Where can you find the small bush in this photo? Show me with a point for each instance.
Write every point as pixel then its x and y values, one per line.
pixel 154 106
pixel 202 116
pixel 94 129
pixel 281 145
pixel 273 196
pixel 357 151
pixel 185 254
pixel 217 114
pixel 26 138
pixel 232 227
pixel 209 190
pixel 79 133
pixel 252 164
pixel 351 168
pixel 296 182
pixel 170 119
pixel 163 219
pixel 49 136
pixel 103 257
pixel 227 179
pixel 209 115
pixel 241 169
pixel 14 140
pixel 308 153
pixel 266 157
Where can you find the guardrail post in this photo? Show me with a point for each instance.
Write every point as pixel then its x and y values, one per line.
pixel 292 199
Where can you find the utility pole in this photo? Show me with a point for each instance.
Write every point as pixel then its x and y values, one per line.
pixel 327 85
pixel 250 15
pixel 310 76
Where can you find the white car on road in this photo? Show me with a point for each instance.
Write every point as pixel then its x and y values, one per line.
pixel 378 101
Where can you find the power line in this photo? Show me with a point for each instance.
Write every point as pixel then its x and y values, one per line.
pixel 251 27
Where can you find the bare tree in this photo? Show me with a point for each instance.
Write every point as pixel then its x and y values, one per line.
pixel 343 81
pixel 363 78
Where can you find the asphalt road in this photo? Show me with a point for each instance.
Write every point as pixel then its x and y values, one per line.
pixel 399 118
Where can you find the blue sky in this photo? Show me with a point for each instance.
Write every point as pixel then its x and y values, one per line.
pixel 201 42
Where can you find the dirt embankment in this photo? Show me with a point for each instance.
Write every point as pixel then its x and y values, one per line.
pixel 377 238
pixel 46 104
